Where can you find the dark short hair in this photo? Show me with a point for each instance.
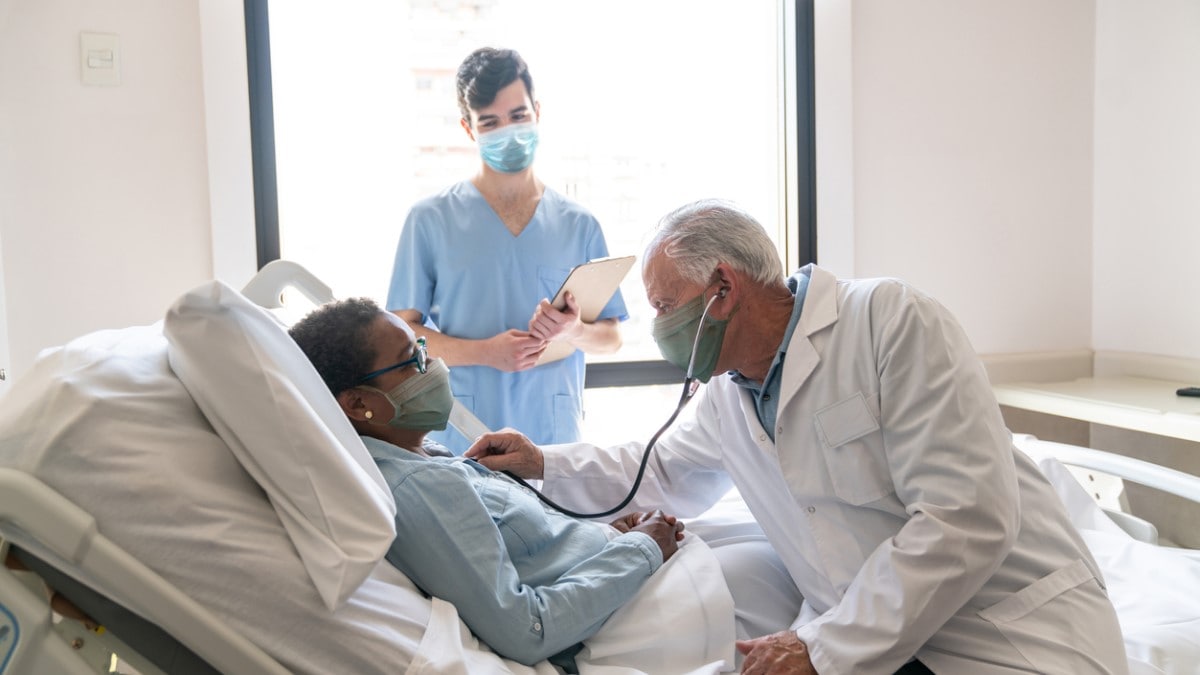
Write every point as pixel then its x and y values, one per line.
pixel 336 338
pixel 484 73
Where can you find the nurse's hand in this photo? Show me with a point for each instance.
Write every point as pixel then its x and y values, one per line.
pixel 780 653
pixel 512 351
pixel 508 450
pixel 549 323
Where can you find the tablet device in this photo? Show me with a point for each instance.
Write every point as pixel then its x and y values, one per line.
pixel 593 284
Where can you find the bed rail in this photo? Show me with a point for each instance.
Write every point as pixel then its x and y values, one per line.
pixel 62 528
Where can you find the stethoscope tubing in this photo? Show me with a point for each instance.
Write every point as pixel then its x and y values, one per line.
pixel 690 386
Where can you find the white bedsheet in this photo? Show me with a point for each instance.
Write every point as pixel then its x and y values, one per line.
pixel 1156 590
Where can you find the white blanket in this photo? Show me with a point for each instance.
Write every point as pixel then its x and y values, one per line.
pixel 681 622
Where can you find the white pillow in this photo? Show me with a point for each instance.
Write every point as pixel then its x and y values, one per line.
pixel 104 421
pixel 268 403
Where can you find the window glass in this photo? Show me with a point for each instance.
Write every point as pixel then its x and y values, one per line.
pixel 645 105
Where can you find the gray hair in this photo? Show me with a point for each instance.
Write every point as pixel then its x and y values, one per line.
pixel 699 235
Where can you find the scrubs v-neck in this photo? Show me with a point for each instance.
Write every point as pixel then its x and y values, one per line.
pixel 460 267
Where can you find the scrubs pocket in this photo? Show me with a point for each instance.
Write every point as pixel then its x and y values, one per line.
pixel 1065 608
pixel 568 418
pixel 551 279
pixel 853 451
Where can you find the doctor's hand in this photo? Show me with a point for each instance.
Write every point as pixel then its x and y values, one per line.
pixel 513 350
pixel 780 653
pixel 549 323
pixel 508 450
pixel 666 531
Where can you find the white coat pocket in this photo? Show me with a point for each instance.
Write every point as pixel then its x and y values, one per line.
pixel 853 450
pixel 1041 618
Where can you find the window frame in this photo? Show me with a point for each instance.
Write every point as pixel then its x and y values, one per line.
pixel 799 209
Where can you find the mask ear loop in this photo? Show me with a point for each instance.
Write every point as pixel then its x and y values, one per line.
pixel 690 386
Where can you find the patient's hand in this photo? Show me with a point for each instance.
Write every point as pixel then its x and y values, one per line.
pixel 628 522
pixel 508 450
pixel 549 323
pixel 780 653
pixel 513 350
pixel 665 530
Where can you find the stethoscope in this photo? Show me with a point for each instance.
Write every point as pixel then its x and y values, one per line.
pixel 690 386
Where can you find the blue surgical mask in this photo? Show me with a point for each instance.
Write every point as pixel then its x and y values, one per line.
pixel 510 148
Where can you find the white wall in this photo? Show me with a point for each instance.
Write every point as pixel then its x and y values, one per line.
pixel 972 161
pixel 103 190
pixel 1146 290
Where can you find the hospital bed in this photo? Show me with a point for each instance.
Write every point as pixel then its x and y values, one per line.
pixel 133 461
pixel 197 473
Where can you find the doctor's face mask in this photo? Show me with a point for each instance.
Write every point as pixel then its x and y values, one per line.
pixel 423 401
pixel 510 148
pixel 676 331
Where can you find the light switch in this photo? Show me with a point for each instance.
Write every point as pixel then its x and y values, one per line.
pixel 100 59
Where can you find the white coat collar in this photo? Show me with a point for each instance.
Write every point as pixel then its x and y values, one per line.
pixel 820 305
pixel 820 311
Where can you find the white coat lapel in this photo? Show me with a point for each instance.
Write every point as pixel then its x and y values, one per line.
pixel 820 311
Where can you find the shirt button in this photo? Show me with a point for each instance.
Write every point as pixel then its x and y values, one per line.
pixel 812 509
pixel 537 626
pixel 766 397
pixel 779 430
pixel 763 438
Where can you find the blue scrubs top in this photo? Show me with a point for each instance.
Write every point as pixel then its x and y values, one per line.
pixel 459 266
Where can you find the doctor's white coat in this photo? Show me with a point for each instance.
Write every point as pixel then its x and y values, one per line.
pixel 892 492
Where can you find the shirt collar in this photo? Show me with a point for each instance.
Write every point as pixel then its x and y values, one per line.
pixel 798 285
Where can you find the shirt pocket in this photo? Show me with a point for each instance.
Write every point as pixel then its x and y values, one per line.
pixel 853 448
pixel 1066 607
pixel 550 279
pixel 518 516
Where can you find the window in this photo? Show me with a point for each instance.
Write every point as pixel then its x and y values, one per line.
pixel 646 105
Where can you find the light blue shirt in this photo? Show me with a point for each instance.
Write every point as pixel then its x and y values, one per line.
pixel 460 267
pixel 527 580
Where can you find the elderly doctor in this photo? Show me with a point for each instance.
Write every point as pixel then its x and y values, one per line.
pixel 860 428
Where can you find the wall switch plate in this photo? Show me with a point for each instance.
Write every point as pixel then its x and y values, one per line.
pixel 100 59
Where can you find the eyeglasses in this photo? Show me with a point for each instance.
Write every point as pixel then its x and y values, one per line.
pixel 420 359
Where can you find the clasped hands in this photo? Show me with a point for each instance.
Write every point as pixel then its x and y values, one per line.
pixel 519 349
pixel 665 530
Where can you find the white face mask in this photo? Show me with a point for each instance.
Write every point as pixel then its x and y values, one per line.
pixel 423 401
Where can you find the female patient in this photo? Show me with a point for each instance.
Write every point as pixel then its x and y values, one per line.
pixel 530 582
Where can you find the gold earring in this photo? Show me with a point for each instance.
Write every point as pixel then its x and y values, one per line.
pixel 368 414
